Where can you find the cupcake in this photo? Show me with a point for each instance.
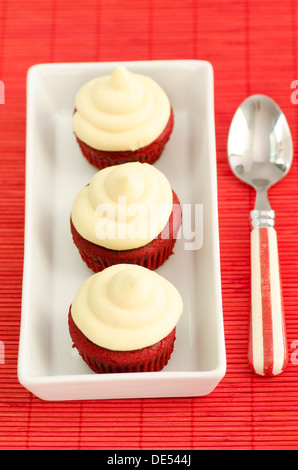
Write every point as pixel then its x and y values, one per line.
pixel 124 319
pixel 122 117
pixel 128 213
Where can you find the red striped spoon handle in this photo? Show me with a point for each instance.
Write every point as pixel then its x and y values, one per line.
pixel 267 352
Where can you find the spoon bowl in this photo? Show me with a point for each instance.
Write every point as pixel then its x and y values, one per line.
pixel 260 148
pixel 260 153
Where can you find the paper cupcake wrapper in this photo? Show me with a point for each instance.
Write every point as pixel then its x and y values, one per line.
pixel 102 361
pixel 151 261
pixel 153 365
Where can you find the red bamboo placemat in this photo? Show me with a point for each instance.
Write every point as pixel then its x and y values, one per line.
pixel 252 46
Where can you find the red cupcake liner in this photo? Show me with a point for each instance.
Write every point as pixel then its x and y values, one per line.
pixel 148 154
pixel 151 256
pixel 102 361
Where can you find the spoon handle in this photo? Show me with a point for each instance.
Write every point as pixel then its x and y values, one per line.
pixel 267 353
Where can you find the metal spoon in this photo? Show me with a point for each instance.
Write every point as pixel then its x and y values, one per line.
pixel 260 152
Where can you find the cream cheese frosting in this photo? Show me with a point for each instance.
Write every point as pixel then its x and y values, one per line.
pixel 126 307
pixel 119 112
pixel 124 207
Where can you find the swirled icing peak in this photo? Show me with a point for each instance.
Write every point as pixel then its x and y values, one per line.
pixel 125 181
pixel 119 112
pixel 126 307
pixel 124 207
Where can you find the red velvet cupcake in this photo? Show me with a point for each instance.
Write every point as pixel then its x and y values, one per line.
pixel 127 214
pixel 124 320
pixel 122 117
pixel 148 154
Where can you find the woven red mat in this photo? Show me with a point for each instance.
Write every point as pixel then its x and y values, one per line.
pixel 253 47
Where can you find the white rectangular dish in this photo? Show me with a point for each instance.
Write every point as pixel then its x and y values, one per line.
pixel 48 365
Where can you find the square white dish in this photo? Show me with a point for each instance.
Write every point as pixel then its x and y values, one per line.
pixel 48 365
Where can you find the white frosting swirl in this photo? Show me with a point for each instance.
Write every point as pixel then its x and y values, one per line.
pixel 119 112
pixel 126 307
pixel 125 206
